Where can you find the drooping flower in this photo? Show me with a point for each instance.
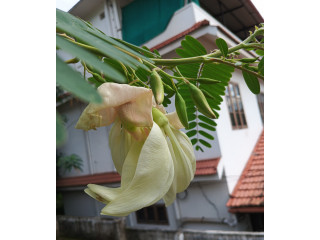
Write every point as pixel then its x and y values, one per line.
pixel 120 101
pixel 155 159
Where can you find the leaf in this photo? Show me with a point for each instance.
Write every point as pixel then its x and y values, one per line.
pixel 191 133
pixel 248 60
pixel 73 82
pixel 252 82
pixel 84 33
pixel 194 141
pixel 146 51
pixel 205 143
pixel 260 52
pixel 157 52
pixel 61 133
pixel 223 46
pixel 90 59
pixel 192 125
pixel 94 81
pixel 261 66
pixel 199 148
pixel 205 134
pixel 206 126
pixel 207 120
pixel 196 45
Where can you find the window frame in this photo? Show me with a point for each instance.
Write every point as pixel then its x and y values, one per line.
pixel 238 124
pixel 260 100
pixel 156 220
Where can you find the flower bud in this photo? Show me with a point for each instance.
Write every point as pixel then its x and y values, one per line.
pixel 181 110
pixel 157 87
pixel 200 101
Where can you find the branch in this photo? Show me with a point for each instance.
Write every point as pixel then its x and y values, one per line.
pixel 238 67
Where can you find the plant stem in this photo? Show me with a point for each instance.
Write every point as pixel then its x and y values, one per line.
pixel 238 67
pixel 203 58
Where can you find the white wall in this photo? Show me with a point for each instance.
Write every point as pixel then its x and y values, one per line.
pixel 207 201
pixel 92 146
pixel 237 145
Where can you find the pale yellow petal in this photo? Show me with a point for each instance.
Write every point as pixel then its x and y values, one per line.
pixel 120 142
pixel 101 193
pixel 170 196
pixel 187 147
pixel 152 179
pixel 136 113
pixel 132 104
pixel 130 164
pixel 114 94
pixel 183 158
pixel 94 116
pixel 174 120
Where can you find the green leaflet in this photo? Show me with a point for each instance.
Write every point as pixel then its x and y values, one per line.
pixel 252 82
pixel 223 46
pixel 73 82
pixel 261 66
pixel 90 59
pixel 85 33
pixel 212 92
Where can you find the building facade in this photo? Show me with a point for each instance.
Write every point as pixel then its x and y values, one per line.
pixel 210 202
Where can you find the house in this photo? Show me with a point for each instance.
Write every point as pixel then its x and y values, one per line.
pixel 227 191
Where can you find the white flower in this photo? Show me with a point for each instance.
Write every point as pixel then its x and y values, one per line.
pixel 155 159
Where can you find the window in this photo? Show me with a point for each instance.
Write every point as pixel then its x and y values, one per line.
pixel 236 112
pixel 155 214
pixel 257 222
pixel 260 98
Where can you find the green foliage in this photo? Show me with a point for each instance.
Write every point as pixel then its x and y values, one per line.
pixel 212 91
pixel 67 163
pixel 252 82
pixel 223 46
pixel 198 79
pixel 73 82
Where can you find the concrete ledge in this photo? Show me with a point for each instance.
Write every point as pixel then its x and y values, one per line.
pixel 91 228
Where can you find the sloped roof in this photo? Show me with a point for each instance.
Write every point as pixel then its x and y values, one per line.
pixel 204 167
pixel 207 167
pixel 239 16
pixel 182 34
pixel 248 194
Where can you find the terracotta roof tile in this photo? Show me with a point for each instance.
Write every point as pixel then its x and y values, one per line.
pixel 204 167
pixel 207 167
pixel 182 34
pixel 248 194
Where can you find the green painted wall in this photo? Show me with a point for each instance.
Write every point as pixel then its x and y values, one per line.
pixel 142 20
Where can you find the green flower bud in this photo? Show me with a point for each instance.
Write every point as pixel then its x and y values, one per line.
pixel 200 101
pixel 157 87
pixel 159 118
pixel 181 110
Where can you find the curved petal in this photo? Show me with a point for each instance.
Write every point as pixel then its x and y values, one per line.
pixel 187 147
pixel 152 179
pixel 94 116
pixel 119 142
pixel 101 193
pixel 183 160
pixel 106 194
pixel 170 196
pixel 132 104
pixel 174 120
